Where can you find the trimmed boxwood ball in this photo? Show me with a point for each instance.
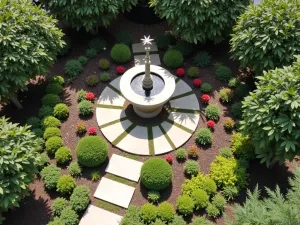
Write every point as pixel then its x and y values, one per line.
pixel 83 60
pixel 166 211
pixel 120 53
pixel 173 59
pixel 69 216
pixel 51 100
pixel 45 110
pixel 50 175
pixel 54 88
pixel 80 198
pixel 65 184
pixel 53 144
pixel 52 132
pixel 56 221
pixel 201 198
pixel 148 213
pixel 34 122
pixel 50 121
pixel 156 174
pixel 212 112
pixel 204 136
pixel 191 167
pixel 61 111
pixel 63 155
pixel 59 205
pixel 85 108
pixel 185 205
pixel 91 151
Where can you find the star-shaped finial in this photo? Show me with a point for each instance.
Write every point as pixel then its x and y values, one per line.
pixel 147 40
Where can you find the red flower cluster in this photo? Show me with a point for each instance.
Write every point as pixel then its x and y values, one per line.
pixel 210 124
pixel 205 98
pixel 90 96
pixel 169 158
pixel 180 72
pixel 197 82
pixel 92 131
pixel 80 127
pixel 120 70
pixel 193 151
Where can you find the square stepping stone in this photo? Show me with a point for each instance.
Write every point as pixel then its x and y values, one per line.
pixel 124 167
pixel 110 97
pixel 97 216
pixel 114 192
pixel 113 131
pixel 187 102
pixel 140 60
pixel 140 48
pixel 105 115
pixel 188 120
pixel 161 144
pixel 136 141
pixel 181 88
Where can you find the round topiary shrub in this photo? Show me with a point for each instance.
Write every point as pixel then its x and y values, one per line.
pixel 204 136
pixel 69 217
pixel 61 111
pixel 50 121
pixel 34 122
pixel 50 175
pixel 210 186
pixel 236 110
pixel 201 198
pixel 52 132
pixel 148 213
pixel 85 108
pixel 80 198
pixel 120 53
pixel 63 155
pixel 83 60
pixel 54 88
pixel 38 132
pixel 185 205
pixel 219 201
pixel 59 205
pixel 105 77
pixel 156 174
pixel 57 80
pixel 226 95
pixel 53 144
pixel 81 95
pixel 180 154
pixel 206 88
pixel 74 169
pixel 92 80
pixel 212 112
pixel 73 68
pixel 45 111
pixel 91 53
pixel 202 59
pixel 103 64
pixel 212 211
pixel 173 59
pixel 66 184
pixel 51 100
pixel 91 151
pixel 166 211
pixel 223 73
pixel 193 72
pixel 191 167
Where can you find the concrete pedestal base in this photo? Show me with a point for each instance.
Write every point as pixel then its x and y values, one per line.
pixel 147 114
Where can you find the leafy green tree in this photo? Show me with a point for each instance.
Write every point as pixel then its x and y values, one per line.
pixel 276 209
pixel 29 43
pixel 271 114
pixel 267 35
pixel 88 13
pixel 200 20
pixel 18 158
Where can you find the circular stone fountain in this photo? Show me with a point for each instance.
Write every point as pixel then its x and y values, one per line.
pixel 147 87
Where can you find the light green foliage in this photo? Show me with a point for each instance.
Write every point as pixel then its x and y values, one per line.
pixel 45 111
pixel 132 216
pixel 69 217
pixel 202 59
pixel 42 161
pixel 59 205
pixel 51 100
pixel 180 154
pixel 236 110
pixel 65 184
pixel 61 111
pixel 212 211
pixel 124 37
pixel 105 77
pixel 81 95
pixel 85 107
pixel 199 21
pixel 242 146
pixel 73 68
pixel 148 212
pixel 95 176
pixel 201 221
pixel 97 44
pixel 219 201
pixel 178 220
pixel 91 53
pixel 212 112
pixel 199 182
pixel 104 64
pixel 228 172
pixel 80 198
pixel 185 205
pixel 226 95
pixel 185 48
pixel 204 136
pixel 50 175
pixel 158 222
pixel 53 144
pixel 34 122
pixel 223 73
pixel 166 211
pixel 173 59
pixel 267 35
pixel 23 53
pixel 63 155
pixel 226 152
pixel 153 196
pixel 56 221
pixel 18 159
pixel 54 88
pixel 200 198
pixel 83 60
pixel 234 82
pixel 193 72
pixel 206 87
pixel 230 192
pixel 50 121
pixel 242 90
pixel 191 167
pixel 57 80
pixel 271 115
pixel 120 53
pixel 74 169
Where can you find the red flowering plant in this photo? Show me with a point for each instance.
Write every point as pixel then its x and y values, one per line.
pixel 210 124
pixel 197 82
pixel 80 127
pixel 193 151
pixel 180 72
pixel 120 70
pixel 205 98
pixel 229 124
pixel 92 131
pixel 169 158
pixel 90 96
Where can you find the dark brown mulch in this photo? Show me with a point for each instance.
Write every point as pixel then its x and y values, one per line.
pixel 36 208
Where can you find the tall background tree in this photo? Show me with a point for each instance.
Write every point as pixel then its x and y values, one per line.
pixel 271 115
pixel 88 13
pixel 18 157
pixel 200 20
pixel 267 35
pixel 29 43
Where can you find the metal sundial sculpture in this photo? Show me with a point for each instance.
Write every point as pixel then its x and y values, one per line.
pixel 147 81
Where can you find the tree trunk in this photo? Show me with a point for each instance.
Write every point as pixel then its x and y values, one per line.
pixel 16 102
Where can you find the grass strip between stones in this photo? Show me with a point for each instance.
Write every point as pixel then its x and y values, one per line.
pixel 109 207
pixel 192 111
pixel 112 122
pixel 167 137
pixel 150 140
pixel 123 135
pixel 177 80
pixel 115 89
pixel 182 95
pixel 121 180
pixel 109 106
pixel 131 156
pixel 180 126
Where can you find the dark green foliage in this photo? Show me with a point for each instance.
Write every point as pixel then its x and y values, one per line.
pixel 38 132
pixel 204 136
pixel 69 216
pixel 156 174
pixel 73 68
pixel 80 198
pixel 30 41
pixel 185 48
pixel 92 80
pixel 163 41
pixel 242 90
pixel 63 155
pixel 173 59
pixel 236 110
pixel 166 212
pixel 153 196
pixel 34 122
pixel 124 37
pixel 148 212
pixel 200 198
pixel 206 87
pixel 132 216
pixel 61 111
pixel 54 88
pixel 233 82
pixel 193 72
pixel 45 111
pixel 230 192
pixel 81 95
pixel 57 80
pixel 95 176
pixel 212 112
pixel 104 64
pixel 185 205
pixel 120 53
pixel 50 175
pixel 91 151
pixel 178 220
pixel 200 21
pixel 265 47
pixel 53 144
pixel 50 121
pixel 223 73
pixel 242 147
pixel 202 59
pixel 226 152
pixel 191 167
pixel 51 100
pixel 219 201
pixel 66 48
pixel 85 108
pixel 105 77
pixel 65 184
pixel 212 211
pixel 59 205
pixel 83 60
pixel 42 161
pixel 91 53
pixel 74 169
pixel 98 44
pixel 181 154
